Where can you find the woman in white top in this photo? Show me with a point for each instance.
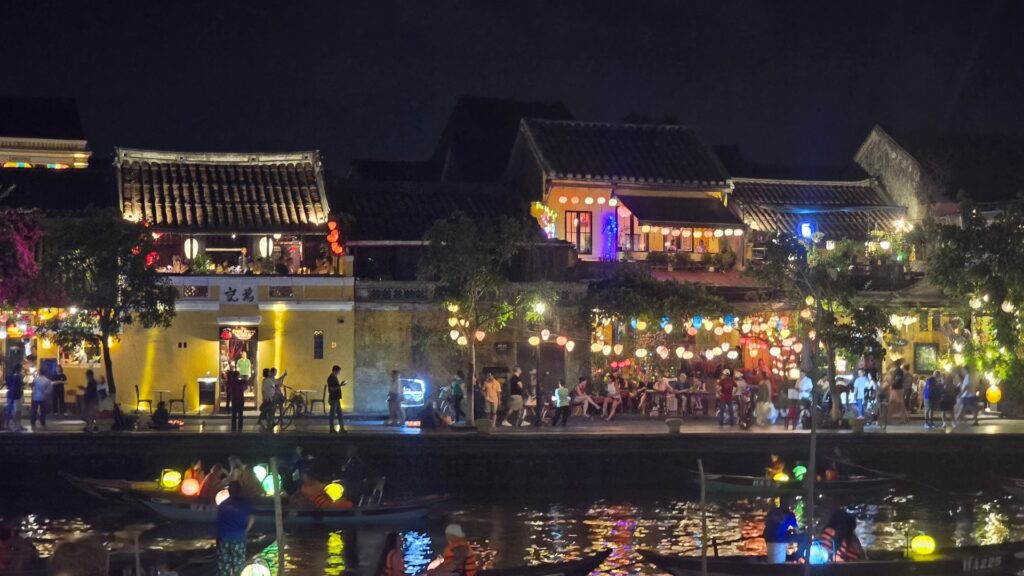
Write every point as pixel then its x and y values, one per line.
pixel 614 398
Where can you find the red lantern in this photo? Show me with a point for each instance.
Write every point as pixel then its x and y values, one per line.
pixel 337 249
pixel 225 334
pixel 332 225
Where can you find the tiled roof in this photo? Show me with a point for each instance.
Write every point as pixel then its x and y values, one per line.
pixel 48 118
pixel 807 192
pixel 676 211
pixel 57 192
pixel 403 211
pixel 218 192
pixel 845 223
pixel 629 153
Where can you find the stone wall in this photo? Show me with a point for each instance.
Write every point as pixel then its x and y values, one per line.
pixel 901 175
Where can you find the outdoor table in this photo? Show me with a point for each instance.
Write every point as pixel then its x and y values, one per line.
pixel 161 393
pixel 305 398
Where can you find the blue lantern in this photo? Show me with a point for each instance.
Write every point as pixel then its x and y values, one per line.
pixel 664 321
pixel 632 323
pixel 729 319
pixel 697 321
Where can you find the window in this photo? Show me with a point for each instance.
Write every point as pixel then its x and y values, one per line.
pixel 191 291
pixel 631 237
pixel 318 345
pixel 578 231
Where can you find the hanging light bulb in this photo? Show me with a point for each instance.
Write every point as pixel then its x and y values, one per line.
pixel 569 346
pixel 545 334
pixel 606 350
pixel 454 334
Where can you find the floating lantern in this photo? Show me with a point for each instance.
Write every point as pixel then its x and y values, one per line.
pixel 454 334
pixel 479 335
pixel 561 340
pixel 334 491
pixel 641 352
pixel 617 349
pixel 993 395
pixel 595 347
pixel 606 350
pixel 922 545
pixel 680 351
pixel 170 479
pixel 190 487
pixel 462 341
pixel 569 346
pixel 260 471
pixel 781 477
pixel 268 485
pixel 534 341
pixel 798 472
pixel 221 496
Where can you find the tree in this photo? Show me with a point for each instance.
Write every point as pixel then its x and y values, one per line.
pixel 818 280
pixel 468 260
pixel 978 266
pixel 20 233
pixel 103 264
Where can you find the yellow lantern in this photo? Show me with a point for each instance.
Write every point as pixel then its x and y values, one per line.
pixel 170 479
pixel 617 349
pixel 453 321
pixel 680 351
pixel 641 325
pixel 993 395
pixel 641 352
pixel 462 341
pixel 221 496
pixel 781 477
pixel 922 545
pixel 534 341
pixel 190 487
pixel 334 491
pixel 595 347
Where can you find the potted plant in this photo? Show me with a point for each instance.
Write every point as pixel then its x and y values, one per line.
pixel 726 258
pixel 709 260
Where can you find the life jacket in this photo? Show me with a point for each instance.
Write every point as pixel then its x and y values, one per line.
pixel 469 566
pixel 842 553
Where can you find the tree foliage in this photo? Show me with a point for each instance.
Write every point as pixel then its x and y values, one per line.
pixel 632 292
pixel 20 233
pixel 102 265
pixel 978 266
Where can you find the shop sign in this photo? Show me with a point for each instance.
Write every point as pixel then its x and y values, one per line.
pixel 898 342
pixel 238 333
pixel 238 293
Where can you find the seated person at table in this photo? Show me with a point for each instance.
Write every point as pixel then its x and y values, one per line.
pixel 840 538
pixel 614 398
pixel 162 418
pixel 580 396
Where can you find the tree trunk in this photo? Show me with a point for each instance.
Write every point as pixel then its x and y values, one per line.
pixel 471 383
pixel 108 364
pixel 830 372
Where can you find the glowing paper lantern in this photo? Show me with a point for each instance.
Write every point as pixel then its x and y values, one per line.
pixel 479 335
pixel 809 300
pixel 606 350
pixel 462 341
pixel 588 200
pixel 719 331
pixel 725 346
pixel 561 340
pixel 709 354
pixel 453 321
pixel 666 231
pixel 818 554
pixel 454 334
pixel 545 334
pixel 691 331
pixel 781 477
pixel 575 200
pixel 716 351
pixel 697 321
pixel 922 545
pixel 737 232
pixel 732 355
pixel 169 479
pixel 993 395
pixel 534 341
pixel 745 327
pixel 775 351
pixel 754 352
pixel 687 355
pixel 190 487
pixel 645 228
pixel 617 349
pixel 728 231
pixel 613 202
pixel 718 233
pixel 569 346
pixel 260 471
pixel 697 234
pixel 221 496
pixel 595 347
pixel 798 347
pixel 600 200
pixel 334 491
pixel 680 351
pixel 268 485
pixel 1007 306
pixel 641 325
pixel 798 472
pixel 257 568
pixel 641 352
pixel 191 248
pixel 562 199
pixel 668 328
pixel 794 373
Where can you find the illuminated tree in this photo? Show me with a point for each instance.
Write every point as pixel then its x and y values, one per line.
pixel 19 235
pixel 103 265
pixel 468 261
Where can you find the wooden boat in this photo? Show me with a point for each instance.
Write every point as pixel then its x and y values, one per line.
pixel 761 486
pixel 181 509
pixel 580 567
pixel 111 489
pixel 976 560
pixel 122 561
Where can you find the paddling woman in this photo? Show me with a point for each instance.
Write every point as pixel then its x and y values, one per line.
pixel 840 538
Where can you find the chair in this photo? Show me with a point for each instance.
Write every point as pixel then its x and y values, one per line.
pixel 173 401
pixel 322 400
pixel 139 401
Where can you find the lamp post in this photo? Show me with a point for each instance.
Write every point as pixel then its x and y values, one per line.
pixel 539 307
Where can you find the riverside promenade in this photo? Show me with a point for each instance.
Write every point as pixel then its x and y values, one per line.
pixel 631 452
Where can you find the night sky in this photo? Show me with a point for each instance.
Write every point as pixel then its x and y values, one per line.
pixel 791 82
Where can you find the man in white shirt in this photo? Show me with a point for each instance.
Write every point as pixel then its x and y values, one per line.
pixel 805 385
pixel 41 386
pixel 273 396
pixel 860 386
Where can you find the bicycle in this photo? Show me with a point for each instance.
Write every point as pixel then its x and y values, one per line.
pixel 286 409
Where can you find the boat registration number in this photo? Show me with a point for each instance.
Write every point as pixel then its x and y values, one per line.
pixel 980 564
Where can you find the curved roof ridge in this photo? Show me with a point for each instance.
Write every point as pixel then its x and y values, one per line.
pixel 801 182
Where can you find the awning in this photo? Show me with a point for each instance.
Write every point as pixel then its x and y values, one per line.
pixel 676 211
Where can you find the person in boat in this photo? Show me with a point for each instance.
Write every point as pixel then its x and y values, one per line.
pixel 840 538
pixel 459 557
pixel 234 520
pixel 392 561
pixel 245 477
pixel 779 528
pixel 311 494
pixel 775 466
pixel 195 471
pixel 354 474
pixel 213 482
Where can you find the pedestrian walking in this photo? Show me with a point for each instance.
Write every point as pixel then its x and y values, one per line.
pixel 396 414
pixel 492 398
pixel 273 396
pixel 562 404
pixel 457 392
pixel 15 384
pixel 968 397
pixel 42 387
pixel 897 404
pixel 90 401
pixel 236 397
pixel 59 384
pixel 932 398
pixel 334 400
pixel 726 390
pixel 234 519
pixel 515 409
pixel 950 391
pixel 860 386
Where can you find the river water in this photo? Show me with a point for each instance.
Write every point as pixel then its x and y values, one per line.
pixel 513 529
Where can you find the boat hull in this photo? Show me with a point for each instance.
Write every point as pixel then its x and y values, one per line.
pixel 761 486
pixel 581 567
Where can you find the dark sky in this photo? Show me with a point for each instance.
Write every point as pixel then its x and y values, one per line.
pixel 787 81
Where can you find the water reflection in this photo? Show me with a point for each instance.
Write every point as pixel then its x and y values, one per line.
pixel 517 533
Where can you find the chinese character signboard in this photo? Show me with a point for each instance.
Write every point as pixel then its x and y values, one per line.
pixel 240 292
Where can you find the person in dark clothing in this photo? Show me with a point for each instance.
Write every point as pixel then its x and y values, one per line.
pixel 354 475
pixel 516 393
pixel 15 384
pixel 234 519
pixel 162 418
pixel 779 527
pixel 458 388
pixel 236 396
pixel 479 407
pixel 429 418
pixel 932 398
pixel 60 380
pixel 334 400
pixel 90 401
